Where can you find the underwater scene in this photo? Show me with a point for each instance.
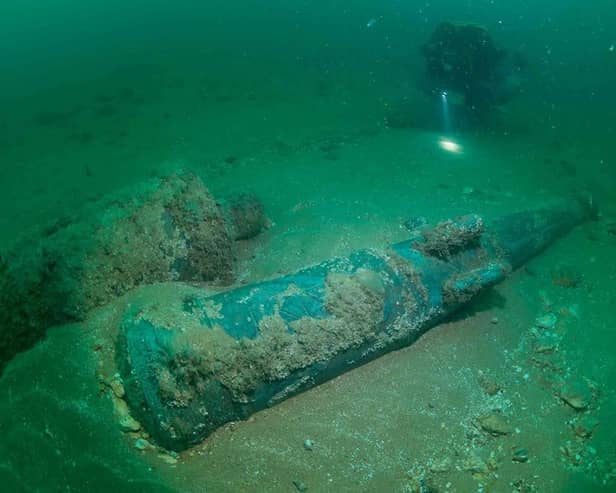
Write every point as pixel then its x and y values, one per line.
pixel 308 246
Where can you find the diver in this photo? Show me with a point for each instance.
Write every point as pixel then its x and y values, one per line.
pixel 463 63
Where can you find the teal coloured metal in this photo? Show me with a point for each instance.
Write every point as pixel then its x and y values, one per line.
pixel 259 344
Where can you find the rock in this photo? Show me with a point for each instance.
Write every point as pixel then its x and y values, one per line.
pixel 476 465
pixel 308 444
pixel 160 230
pixel 300 485
pixel 576 401
pixel 546 342
pixel 143 444
pixel 117 386
pixel 520 454
pixel 577 394
pixel 128 423
pixel 168 458
pixel 125 420
pixel 585 426
pixel 547 321
pixel 573 452
pixel 495 424
pixel 546 361
pixel 488 385
pixel 545 348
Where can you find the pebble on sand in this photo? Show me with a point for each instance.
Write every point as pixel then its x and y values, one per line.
pixel 488 385
pixel 495 424
pixel 520 454
pixel 143 444
pixel 300 485
pixel 168 458
pixel 575 400
pixel 585 426
pixel 578 394
pixel 125 420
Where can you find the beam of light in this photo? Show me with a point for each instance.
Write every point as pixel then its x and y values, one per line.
pixel 450 146
pixel 446 117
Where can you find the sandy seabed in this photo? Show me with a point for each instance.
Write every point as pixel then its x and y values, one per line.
pixel 481 403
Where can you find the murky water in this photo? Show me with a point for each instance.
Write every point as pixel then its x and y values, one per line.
pixel 154 155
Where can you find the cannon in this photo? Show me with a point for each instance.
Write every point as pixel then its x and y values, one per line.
pixel 163 229
pixel 201 361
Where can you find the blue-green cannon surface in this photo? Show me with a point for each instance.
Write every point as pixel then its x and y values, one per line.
pixel 213 359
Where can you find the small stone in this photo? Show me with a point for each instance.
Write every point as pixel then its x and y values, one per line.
pixel 117 386
pixel 488 385
pixel 585 426
pixel 128 423
pixel 572 451
pixel 545 348
pixel 475 465
pixel 547 321
pixel 169 459
pixel 495 424
pixel 125 420
pixel 545 341
pixel 142 444
pixel 576 401
pixel 577 394
pixel 300 485
pixel 520 454
pixel 468 190
pixel 308 444
pixel 494 320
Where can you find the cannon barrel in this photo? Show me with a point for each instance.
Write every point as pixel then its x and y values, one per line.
pixel 205 360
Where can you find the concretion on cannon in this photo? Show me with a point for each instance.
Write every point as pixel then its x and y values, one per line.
pixel 163 229
pixel 199 362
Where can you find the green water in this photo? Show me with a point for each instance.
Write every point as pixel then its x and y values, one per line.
pixel 290 101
